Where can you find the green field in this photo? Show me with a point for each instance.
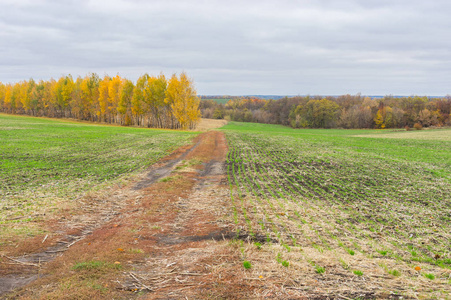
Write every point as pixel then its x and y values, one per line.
pixel 44 162
pixel 347 202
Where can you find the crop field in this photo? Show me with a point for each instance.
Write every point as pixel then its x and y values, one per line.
pixel 344 210
pixel 45 164
pixel 246 211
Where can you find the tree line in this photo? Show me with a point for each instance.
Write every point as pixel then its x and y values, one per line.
pixel 154 101
pixel 347 111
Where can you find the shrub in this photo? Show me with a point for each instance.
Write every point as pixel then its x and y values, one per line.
pixel 247 264
pixel 418 126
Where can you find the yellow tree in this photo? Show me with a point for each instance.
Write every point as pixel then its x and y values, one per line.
pixel 37 95
pixel 384 117
pixel 2 96
pixel 138 98
pixel 25 94
pixel 89 90
pixel 16 105
pixel 183 100
pixel 64 88
pixel 125 101
pixel 8 98
pixel 379 119
pixel 154 95
pixel 49 98
pixel 103 98
pixel 76 101
pixel 114 93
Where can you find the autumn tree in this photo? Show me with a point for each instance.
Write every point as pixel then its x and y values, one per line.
pixel 76 101
pixel 89 93
pixel 114 94
pixel 425 118
pixel 64 88
pixel 103 98
pixel 6 101
pixel 16 105
pixel 24 96
pixel 138 108
pixel 183 101
pixel 37 95
pixel 379 120
pixel 125 103
pixel 154 96
pixel 320 113
pixel 2 95
pixel 49 98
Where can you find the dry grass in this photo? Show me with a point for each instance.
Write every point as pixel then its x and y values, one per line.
pixel 209 124
pixel 426 134
pixel 301 276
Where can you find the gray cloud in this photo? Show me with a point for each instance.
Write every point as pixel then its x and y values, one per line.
pixel 236 47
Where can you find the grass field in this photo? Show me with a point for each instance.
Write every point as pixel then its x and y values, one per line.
pixel 45 164
pixel 363 207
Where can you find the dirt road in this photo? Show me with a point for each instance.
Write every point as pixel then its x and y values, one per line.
pixel 169 234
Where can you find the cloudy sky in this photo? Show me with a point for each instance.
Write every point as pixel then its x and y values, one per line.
pixel 327 47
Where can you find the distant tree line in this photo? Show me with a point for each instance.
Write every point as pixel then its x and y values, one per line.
pixel 153 101
pixel 220 97
pixel 347 111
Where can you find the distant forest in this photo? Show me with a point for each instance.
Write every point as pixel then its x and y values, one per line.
pixel 347 111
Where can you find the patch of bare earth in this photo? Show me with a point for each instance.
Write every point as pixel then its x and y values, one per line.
pixel 209 124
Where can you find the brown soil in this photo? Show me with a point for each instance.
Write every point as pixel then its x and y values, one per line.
pixel 167 235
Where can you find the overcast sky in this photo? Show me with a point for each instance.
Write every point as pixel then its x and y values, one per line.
pixel 375 47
